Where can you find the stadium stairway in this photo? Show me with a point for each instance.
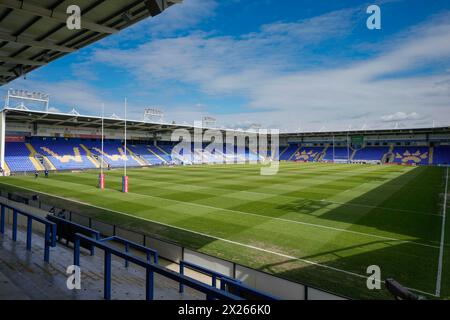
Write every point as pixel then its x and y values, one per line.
pixel 24 274
pixel 294 153
pixel 430 156
pixel 162 150
pixel 48 164
pixel 62 155
pixel 353 153
pixel 37 165
pixel 324 152
pixel 114 155
pixel 282 152
pixel 89 156
pixel 17 157
pixel 139 160
pixel 390 152
pixel 157 155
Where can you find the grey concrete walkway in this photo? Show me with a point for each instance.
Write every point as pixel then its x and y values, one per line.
pixel 25 275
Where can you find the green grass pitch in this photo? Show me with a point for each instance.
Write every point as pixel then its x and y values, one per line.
pixel 321 224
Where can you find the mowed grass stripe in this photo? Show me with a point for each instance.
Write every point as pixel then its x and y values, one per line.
pixel 217 209
pixel 374 218
pixel 334 243
pixel 155 181
pixel 334 249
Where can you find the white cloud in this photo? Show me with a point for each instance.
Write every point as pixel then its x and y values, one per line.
pixel 179 17
pixel 400 116
pixel 263 67
pixel 53 109
pixel 286 82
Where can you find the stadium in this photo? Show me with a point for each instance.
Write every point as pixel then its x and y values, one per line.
pixel 144 218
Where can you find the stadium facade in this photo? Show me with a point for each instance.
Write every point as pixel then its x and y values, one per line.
pixel 40 140
pixel 146 265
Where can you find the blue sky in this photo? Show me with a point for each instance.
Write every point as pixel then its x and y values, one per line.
pixel 292 64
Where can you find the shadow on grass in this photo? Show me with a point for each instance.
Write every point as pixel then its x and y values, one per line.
pixel 408 205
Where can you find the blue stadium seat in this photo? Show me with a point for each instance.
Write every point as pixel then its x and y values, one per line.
pixel 371 154
pixel 441 155
pixel 63 154
pixel 17 157
pixel 113 153
pixel 411 155
pixel 308 154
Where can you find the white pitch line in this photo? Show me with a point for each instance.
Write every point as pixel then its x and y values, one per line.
pixel 441 250
pixel 320 226
pixel 303 198
pixel 222 239
pixel 291 221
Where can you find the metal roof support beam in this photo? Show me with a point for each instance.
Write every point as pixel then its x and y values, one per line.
pixel 89 123
pixel 4 73
pixel 32 43
pixel 155 7
pixel 22 61
pixel 65 121
pixel 121 123
pixel 59 17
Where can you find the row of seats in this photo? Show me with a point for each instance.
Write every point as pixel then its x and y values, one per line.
pixel 17 157
pixel 371 154
pixel 113 153
pixel 400 155
pixel 74 154
pixel 441 155
pixel 416 155
pixel 64 155
pixel 81 154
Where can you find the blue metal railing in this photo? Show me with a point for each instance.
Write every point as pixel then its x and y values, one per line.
pixel 74 228
pixel 226 282
pixel 49 233
pixel 133 245
pixel 213 274
pixel 150 268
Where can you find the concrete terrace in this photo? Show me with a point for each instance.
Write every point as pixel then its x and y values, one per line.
pixel 25 275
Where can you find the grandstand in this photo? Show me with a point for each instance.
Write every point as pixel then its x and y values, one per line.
pixel 200 222
pixel 74 159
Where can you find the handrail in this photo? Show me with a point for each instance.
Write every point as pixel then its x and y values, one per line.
pixel 166 241
pixel 49 233
pixel 213 274
pixel 85 229
pixel 150 269
pixel 52 243
pixel 133 245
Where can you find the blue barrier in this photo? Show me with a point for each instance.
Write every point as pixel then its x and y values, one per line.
pixel 214 275
pixel 133 245
pixel 67 230
pixel 244 291
pixel 150 268
pixel 49 234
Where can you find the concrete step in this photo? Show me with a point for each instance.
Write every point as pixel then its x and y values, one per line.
pixel 24 275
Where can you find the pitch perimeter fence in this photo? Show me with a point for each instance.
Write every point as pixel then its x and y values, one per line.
pixel 175 253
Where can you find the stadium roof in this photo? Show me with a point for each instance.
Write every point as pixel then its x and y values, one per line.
pixel 34 33
pixel 85 121
pixel 77 120
pixel 373 131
